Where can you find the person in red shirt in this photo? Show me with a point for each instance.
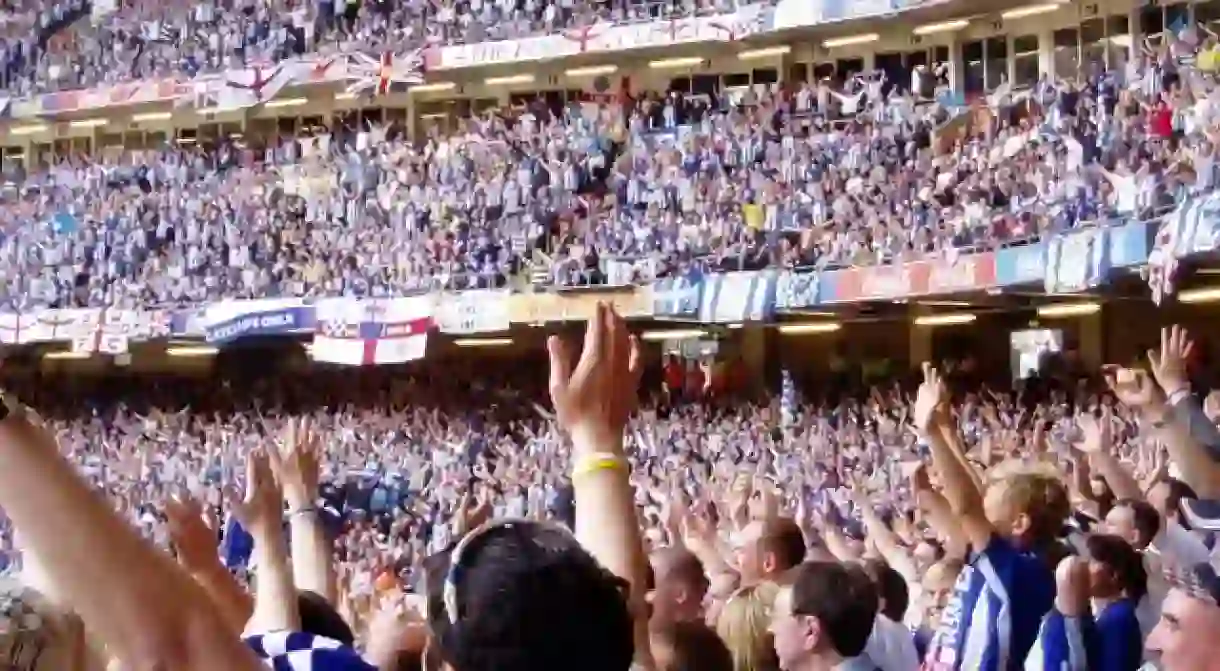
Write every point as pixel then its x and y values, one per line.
pixel 1160 119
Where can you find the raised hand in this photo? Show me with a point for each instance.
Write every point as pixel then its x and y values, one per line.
pixel 1135 388
pixel 1169 365
pixel 296 464
pixel 928 400
pixel 194 541
pixel 1096 432
pixel 595 399
pixel 1072 587
pixel 261 508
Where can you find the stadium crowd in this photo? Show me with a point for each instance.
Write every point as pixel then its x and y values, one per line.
pixel 811 174
pixel 82 44
pixel 505 519
pixel 397 520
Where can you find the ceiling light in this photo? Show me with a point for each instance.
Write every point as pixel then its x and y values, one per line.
pixel 674 334
pixel 26 130
pixel 511 79
pixel 1069 310
pixel 483 342
pixel 765 52
pixel 88 123
pixel 850 40
pixel 810 327
pixel 1032 10
pixel 943 27
pixel 345 95
pixel 286 102
pixel 196 350
pixel 151 116
pixel 592 71
pixel 65 355
pixel 1206 295
pixel 949 319
pixel 434 86
pixel 670 63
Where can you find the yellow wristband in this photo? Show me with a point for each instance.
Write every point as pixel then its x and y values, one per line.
pixel 599 461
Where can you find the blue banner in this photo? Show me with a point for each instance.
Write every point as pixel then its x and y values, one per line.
pixel 1077 261
pixel 738 297
pixel 796 290
pixel 1131 244
pixel 226 322
pixel 677 296
pixel 1193 227
pixel 1020 265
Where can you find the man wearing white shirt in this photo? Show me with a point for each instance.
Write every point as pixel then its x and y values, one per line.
pixel 891 645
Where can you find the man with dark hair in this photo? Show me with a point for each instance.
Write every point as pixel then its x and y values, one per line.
pixel 525 596
pixel 891 646
pixel 823 620
pixel 679 586
pixel 689 646
pixel 768 548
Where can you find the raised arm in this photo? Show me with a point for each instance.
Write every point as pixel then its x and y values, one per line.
pixel 593 402
pixel 195 544
pixel 958 484
pixel 1098 444
pixel 297 470
pixel 275 599
pixel 155 616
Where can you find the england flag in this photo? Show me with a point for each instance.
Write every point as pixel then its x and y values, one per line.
pixel 369 332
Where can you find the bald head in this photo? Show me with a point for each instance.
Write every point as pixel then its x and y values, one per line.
pixel 680 585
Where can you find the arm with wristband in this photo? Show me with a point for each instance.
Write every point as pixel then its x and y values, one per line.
pixel 297 468
pixel 593 401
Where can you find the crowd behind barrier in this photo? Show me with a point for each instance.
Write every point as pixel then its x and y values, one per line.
pixel 845 181
pixel 81 45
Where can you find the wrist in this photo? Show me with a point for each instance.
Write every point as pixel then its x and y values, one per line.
pixel 591 439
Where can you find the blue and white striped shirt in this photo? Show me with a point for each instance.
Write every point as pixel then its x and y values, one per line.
pixel 992 620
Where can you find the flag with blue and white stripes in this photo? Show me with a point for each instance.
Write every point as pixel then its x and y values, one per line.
pixel 787 399
pixel 747 296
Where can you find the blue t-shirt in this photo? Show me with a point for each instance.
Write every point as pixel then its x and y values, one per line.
pixel 992 620
pixel 1120 644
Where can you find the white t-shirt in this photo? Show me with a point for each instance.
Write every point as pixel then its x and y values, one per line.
pixel 891 646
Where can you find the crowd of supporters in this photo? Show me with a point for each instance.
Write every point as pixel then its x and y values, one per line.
pixel 71 45
pixel 496 519
pixel 970 527
pixel 810 174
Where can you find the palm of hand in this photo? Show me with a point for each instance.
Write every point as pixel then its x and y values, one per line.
pixel 261 505
pixel 599 394
pixel 195 543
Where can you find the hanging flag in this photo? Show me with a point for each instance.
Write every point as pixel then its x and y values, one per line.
pixel 355 332
pixel 254 85
pixel 787 399
pixel 376 76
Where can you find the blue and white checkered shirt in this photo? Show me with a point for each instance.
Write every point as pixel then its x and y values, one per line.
pixel 298 651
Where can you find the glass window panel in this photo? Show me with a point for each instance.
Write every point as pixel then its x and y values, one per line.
pixel 997 61
pixel 1067 56
pixel 972 65
pixel 1025 44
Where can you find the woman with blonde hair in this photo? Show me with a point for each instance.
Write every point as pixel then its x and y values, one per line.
pixel 743 623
